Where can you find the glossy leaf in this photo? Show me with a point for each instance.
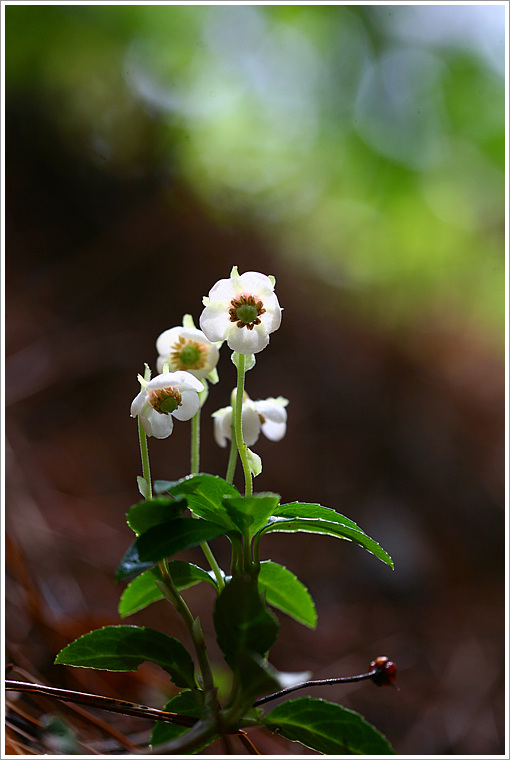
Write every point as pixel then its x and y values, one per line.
pixel 242 621
pixel 146 514
pixel 163 541
pixel 339 530
pixel 313 512
pixel 143 591
pixel 327 728
pixel 250 513
pixel 204 494
pixel 125 647
pixel 286 592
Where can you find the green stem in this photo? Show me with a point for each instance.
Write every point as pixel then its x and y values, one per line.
pixel 191 624
pixel 195 465
pixel 144 452
pixel 195 443
pixel 232 459
pixel 238 424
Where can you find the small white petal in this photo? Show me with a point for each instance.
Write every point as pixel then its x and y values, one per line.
pixel 255 283
pixel 223 426
pixel 251 424
pixel 138 402
pixel 224 290
pixel 214 320
pixel 275 431
pixel 157 425
pixel 271 410
pixel 188 407
pixel 246 341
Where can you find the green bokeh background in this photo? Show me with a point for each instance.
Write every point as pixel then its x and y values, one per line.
pixel 366 141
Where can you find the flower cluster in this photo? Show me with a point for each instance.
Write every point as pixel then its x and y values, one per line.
pixel 242 310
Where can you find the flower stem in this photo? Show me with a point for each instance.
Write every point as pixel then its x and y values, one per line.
pixel 191 624
pixel 195 443
pixel 238 424
pixel 232 458
pixel 195 465
pixel 144 452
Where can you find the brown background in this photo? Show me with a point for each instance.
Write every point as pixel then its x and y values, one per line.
pixel 405 437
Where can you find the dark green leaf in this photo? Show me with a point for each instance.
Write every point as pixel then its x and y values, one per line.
pixel 313 511
pixel 250 513
pixel 142 590
pixel 125 647
pixel 339 530
pixel 163 541
pixel 183 704
pixel 326 728
pixel 285 592
pixel 146 514
pixel 256 676
pixel 242 621
pixel 204 494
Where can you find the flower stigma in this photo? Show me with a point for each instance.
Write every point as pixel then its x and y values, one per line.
pixel 246 311
pixel 165 400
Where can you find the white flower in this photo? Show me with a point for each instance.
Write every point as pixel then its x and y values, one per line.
pixel 243 310
pixel 173 394
pixel 268 415
pixel 187 349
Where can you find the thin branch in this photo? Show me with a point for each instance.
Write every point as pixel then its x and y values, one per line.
pixel 103 703
pixel 322 682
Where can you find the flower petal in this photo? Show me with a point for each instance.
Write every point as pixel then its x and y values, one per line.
pixel 246 341
pixel 275 431
pixel 138 402
pixel 215 320
pixel 256 283
pixel 188 407
pixel 157 425
pixel 223 426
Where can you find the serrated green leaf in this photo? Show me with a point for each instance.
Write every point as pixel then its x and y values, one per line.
pixel 313 511
pixel 163 541
pixel 143 591
pixel 336 529
pixel 183 704
pixel 286 592
pixel 242 621
pixel 147 514
pixel 327 728
pixel 204 494
pixel 250 512
pixel 125 647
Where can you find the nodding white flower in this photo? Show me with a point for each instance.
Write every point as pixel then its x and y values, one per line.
pixel 186 349
pixel 268 416
pixel 173 394
pixel 243 310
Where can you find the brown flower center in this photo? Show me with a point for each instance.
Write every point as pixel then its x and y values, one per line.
pixel 246 311
pixel 188 354
pixel 165 400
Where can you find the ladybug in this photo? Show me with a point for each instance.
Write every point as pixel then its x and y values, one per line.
pixel 385 671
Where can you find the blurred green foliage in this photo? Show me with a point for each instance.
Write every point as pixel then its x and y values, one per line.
pixel 367 142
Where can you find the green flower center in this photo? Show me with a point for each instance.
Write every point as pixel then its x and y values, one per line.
pixel 166 400
pixel 188 354
pixel 246 311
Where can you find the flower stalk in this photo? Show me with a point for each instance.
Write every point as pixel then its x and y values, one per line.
pixel 238 425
